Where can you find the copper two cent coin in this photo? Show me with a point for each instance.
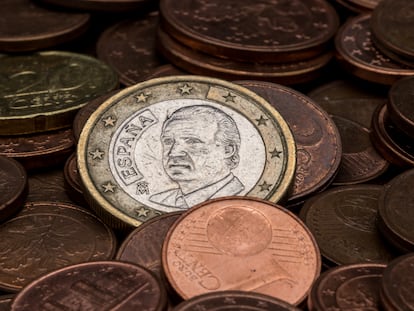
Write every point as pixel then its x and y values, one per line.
pixel 167 144
pixel 241 244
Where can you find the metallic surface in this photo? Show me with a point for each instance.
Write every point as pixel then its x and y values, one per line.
pixel 127 166
pixel 103 5
pixel 43 91
pixel 241 244
pixel 46 236
pixel 73 183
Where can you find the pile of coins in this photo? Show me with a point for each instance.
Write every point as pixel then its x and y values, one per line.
pixel 206 155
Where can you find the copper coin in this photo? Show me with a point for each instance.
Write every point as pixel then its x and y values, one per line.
pixel 360 161
pixel 103 5
pixel 343 221
pixel 233 300
pixel 73 183
pixel 393 144
pixel 129 47
pixel 241 244
pixel 164 71
pixel 358 55
pixel 46 236
pixel 400 105
pixel 254 32
pixel 39 150
pixel 43 91
pixel 392 55
pixel 203 64
pixel 143 245
pixel 13 187
pixel 349 99
pixel 397 284
pixel 392 25
pixel 318 144
pixel 25 26
pixel 359 6
pixel 100 285
pixel 5 302
pixel 348 287
pixel 85 112
pixel 395 211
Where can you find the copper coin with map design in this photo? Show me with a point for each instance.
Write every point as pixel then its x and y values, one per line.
pixel 245 244
pixel 46 236
pixel 100 285
pixel 262 31
pixel 170 143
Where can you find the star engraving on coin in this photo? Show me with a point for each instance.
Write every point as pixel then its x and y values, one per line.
pixel 186 89
pixel 142 97
pixel 229 97
pixel 265 186
pixel 262 121
pixel 109 121
pixel 275 153
pixel 97 154
pixel 109 187
pixel 142 212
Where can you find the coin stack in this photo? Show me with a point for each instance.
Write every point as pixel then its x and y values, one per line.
pixel 198 183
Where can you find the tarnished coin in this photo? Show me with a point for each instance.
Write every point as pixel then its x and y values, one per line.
pixel 129 48
pixel 73 184
pixel 343 221
pixel 400 105
pixel 143 245
pixel 46 236
pixel 35 151
pixel 13 187
pixel 233 300
pixel 103 5
pixel 167 144
pixel 255 31
pixel 100 285
pixel 43 91
pixel 397 284
pixel 396 211
pixel 358 55
pixel 318 144
pixel 348 287
pixel 26 26
pixel 241 244
pixel 392 25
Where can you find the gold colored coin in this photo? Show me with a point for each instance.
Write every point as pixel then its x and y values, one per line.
pixel 167 144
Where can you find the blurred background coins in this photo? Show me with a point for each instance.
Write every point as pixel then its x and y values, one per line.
pixel 241 243
pixel 169 143
pixel 103 5
pixel 43 91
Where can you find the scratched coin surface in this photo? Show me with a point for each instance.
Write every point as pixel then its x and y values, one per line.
pixel 42 91
pixel 256 31
pixel 100 285
pixel 241 244
pixel 46 236
pixel 167 144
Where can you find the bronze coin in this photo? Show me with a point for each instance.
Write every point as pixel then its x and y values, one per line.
pixel 349 99
pixel 348 287
pixel 395 211
pixel 143 245
pixel 39 150
pixel 343 221
pixel 43 91
pixel 46 236
pixel 392 55
pixel 85 112
pixel 254 32
pixel 199 63
pixel 103 5
pixel 25 26
pixel 164 71
pixel 393 144
pixel 360 161
pixel 129 48
pixel 13 187
pixel 100 285
pixel 400 105
pixel 73 183
pixel 318 144
pixel 244 244
pixel 234 300
pixel 397 284
pixel 5 302
pixel 392 25
pixel 358 55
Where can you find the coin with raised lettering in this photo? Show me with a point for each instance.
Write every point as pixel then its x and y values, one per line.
pixel 100 285
pixel 42 91
pixel 167 144
pixel 245 244
pixel 46 236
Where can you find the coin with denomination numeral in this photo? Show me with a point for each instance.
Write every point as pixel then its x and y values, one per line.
pixel 167 144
